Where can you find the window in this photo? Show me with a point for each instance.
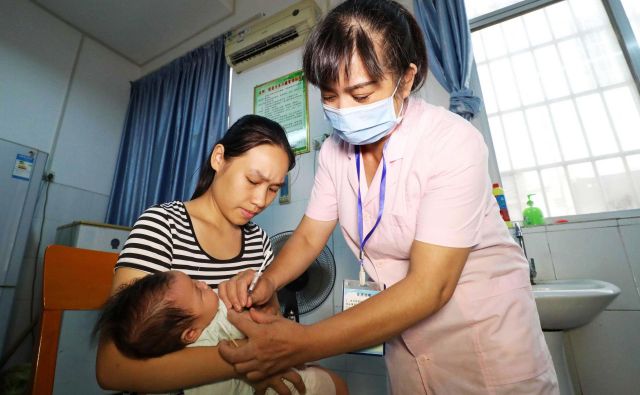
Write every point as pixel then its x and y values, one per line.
pixel 632 10
pixel 477 8
pixel 562 103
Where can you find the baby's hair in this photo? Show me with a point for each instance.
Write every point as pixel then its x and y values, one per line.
pixel 141 322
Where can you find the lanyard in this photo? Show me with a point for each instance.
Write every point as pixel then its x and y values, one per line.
pixel 364 240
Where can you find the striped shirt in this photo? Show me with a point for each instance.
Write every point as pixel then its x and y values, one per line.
pixel 163 239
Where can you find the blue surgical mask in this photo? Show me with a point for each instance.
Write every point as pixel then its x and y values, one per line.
pixel 366 124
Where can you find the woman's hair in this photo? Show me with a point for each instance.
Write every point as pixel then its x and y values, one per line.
pixel 353 27
pixel 246 133
pixel 141 322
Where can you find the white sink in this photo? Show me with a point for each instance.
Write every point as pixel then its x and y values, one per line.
pixel 569 304
pixel 564 305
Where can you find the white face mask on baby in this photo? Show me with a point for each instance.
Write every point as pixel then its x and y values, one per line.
pixel 366 124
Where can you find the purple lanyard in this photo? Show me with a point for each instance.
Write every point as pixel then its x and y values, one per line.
pixel 383 180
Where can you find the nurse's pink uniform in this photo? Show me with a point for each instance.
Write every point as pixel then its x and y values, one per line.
pixel 487 338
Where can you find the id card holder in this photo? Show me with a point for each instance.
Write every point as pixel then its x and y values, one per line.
pixel 354 293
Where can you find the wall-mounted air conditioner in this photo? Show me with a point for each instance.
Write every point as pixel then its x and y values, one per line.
pixel 270 36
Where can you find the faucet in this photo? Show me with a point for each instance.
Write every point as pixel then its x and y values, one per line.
pixel 532 264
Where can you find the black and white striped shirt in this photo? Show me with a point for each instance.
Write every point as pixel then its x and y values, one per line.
pixel 163 239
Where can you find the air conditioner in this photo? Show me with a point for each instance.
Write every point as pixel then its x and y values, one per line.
pixel 269 37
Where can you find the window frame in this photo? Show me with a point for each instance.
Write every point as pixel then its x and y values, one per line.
pixel 630 48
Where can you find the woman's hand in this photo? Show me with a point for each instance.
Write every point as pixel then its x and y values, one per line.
pixel 274 343
pixel 235 291
pixel 272 306
pixel 277 383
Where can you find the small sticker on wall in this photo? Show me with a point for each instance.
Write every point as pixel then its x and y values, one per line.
pixel 23 167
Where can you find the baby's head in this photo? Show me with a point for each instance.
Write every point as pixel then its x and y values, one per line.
pixel 157 314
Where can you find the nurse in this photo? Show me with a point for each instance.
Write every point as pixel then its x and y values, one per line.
pixel 457 312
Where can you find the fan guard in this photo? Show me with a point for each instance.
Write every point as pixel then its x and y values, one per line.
pixel 312 288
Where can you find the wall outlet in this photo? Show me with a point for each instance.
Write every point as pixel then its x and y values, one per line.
pixel 48 175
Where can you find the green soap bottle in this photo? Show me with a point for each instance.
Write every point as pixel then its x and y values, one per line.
pixel 532 215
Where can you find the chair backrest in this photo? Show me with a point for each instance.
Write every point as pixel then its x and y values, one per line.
pixel 74 279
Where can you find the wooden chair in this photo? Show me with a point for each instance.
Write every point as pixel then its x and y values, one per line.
pixel 74 279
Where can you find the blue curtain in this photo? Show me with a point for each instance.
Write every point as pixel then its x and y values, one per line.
pixel 175 116
pixel 448 39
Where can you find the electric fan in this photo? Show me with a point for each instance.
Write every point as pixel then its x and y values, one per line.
pixel 308 291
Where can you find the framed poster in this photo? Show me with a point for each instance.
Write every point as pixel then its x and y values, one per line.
pixel 284 100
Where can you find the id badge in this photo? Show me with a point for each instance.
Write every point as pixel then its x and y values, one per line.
pixel 354 293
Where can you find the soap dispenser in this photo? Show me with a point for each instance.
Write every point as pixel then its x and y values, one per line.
pixel 532 215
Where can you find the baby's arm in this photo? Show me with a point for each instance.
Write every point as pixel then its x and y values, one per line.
pixel 221 329
pixel 181 369
pixel 185 368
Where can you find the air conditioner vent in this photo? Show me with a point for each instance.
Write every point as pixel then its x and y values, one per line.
pixel 265 45
pixel 270 37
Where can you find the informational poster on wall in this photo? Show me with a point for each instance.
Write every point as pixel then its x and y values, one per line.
pixel 23 167
pixel 284 100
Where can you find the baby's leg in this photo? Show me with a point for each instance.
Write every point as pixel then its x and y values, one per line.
pixel 320 381
pixel 317 381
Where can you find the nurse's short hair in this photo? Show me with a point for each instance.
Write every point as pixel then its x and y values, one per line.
pixel 355 26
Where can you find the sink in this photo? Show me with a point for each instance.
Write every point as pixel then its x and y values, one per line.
pixel 564 305
pixel 569 304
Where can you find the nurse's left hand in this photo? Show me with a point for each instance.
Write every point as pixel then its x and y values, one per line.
pixel 274 344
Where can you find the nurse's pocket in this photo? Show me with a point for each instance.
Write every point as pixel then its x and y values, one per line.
pixel 506 329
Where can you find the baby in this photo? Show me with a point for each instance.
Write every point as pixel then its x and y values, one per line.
pixel 167 311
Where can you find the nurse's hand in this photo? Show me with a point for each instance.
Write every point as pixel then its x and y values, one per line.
pixel 264 292
pixel 274 343
pixel 235 291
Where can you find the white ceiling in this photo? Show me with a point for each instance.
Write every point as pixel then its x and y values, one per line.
pixel 140 30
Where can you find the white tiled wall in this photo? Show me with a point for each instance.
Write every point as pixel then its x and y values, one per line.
pixel 65 205
pixel 630 234
pixel 606 352
pixel 65 94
